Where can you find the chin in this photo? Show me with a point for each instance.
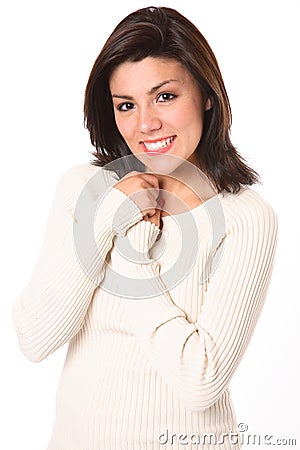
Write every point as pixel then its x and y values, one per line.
pixel 164 163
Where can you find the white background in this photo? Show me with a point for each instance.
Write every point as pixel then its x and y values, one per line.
pixel 48 49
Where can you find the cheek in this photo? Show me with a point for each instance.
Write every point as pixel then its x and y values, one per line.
pixel 190 123
pixel 177 119
pixel 125 127
pixel 195 123
pixel 187 117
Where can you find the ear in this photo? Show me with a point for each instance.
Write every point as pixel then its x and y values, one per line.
pixel 208 105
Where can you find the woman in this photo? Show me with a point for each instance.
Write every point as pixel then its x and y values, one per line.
pixel 157 256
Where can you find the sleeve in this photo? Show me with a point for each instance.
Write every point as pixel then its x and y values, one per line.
pixel 85 215
pixel 198 359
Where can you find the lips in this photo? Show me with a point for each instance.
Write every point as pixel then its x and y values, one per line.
pixel 158 145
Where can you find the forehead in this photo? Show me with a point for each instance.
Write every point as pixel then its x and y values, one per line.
pixel 147 73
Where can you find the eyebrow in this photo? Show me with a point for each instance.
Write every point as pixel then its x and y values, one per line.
pixel 150 92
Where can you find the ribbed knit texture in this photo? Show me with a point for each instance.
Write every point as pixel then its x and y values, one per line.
pixel 152 348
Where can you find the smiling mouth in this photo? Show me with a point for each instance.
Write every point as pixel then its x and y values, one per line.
pixel 158 146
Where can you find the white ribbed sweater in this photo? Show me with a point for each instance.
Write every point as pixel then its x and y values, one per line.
pixel 145 373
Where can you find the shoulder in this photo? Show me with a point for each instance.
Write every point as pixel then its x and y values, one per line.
pixel 85 172
pixel 248 209
pixel 87 177
pixel 246 202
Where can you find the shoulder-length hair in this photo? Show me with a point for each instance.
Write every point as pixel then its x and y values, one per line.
pixel 163 32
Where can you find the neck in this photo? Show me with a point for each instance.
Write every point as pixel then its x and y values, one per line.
pixel 185 188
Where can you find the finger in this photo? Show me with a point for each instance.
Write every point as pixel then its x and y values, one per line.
pixel 148 177
pixel 149 212
pixel 157 210
pixel 155 218
pixel 151 179
pixel 146 200
pixel 153 195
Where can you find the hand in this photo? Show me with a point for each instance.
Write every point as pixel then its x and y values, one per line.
pixel 143 189
pixel 156 218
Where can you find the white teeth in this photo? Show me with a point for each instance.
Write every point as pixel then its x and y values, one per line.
pixel 159 144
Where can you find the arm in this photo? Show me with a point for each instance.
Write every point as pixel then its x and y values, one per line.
pixel 81 225
pixel 198 359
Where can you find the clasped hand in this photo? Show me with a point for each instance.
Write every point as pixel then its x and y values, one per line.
pixel 143 189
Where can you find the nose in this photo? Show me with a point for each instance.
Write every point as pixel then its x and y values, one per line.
pixel 148 120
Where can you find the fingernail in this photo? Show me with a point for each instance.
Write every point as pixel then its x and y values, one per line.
pixel 161 202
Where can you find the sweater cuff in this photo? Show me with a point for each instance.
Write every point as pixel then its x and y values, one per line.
pixel 143 235
pixel 135 245
pixel 117 211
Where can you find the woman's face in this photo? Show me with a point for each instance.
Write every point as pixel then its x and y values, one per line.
pixel 159 111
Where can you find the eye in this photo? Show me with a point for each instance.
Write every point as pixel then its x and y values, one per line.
pixel 166 97
pixel 127 106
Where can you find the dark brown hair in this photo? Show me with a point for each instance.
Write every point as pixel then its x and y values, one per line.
pixel 163 32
